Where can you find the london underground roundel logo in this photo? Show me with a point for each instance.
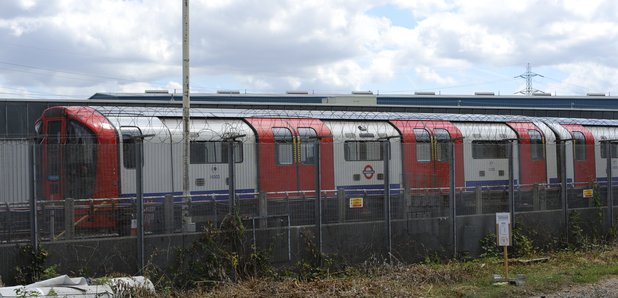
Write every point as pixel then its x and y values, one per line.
pixel 368 171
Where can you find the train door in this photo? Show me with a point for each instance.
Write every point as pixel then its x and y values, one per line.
pixel 583 153
pixel 427 157
pixel 53 132
pixel 286 153
pixel 532 165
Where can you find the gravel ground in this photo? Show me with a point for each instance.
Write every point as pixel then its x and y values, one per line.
pixel 607 288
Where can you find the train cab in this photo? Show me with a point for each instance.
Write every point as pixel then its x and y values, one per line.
pixel 78 159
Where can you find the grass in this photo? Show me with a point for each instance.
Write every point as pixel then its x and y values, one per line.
pixel 450 279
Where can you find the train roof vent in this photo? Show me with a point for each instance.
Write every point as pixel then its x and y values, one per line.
pixel 595 94
pixel 156 91
pixel 541 94
pixel 362 92
pixel 297 92
pixel 424 93
pixel 228 92
pixel 484 93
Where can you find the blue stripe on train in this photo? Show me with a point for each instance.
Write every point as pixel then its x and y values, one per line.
pixel 372 189
pixel 219 194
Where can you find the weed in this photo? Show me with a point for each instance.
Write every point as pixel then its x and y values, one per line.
pixel 35 269
pixel 522 245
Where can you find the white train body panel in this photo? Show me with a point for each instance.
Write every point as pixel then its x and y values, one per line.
pixel 486 171
pixel 15 169
pixel 364 174
pixel 157 170
pixel 211 177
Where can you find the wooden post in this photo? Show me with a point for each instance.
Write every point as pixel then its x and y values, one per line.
pixel 506 264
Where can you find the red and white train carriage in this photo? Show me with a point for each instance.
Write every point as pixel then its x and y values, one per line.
pixel 274 153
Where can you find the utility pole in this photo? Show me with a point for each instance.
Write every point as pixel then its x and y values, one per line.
pixel 186 217
pixel 528 75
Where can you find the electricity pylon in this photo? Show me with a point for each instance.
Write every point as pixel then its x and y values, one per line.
pixel 528 75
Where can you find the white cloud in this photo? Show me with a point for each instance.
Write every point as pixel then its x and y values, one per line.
pixel 87 45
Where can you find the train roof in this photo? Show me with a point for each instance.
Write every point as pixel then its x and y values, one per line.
pixel 173 112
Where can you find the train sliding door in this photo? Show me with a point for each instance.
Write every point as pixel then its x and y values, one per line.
pixel 51 169
pixel 532 165
pixel 426 152
pixel 286 159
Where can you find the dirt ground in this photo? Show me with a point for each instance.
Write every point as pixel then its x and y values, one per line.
pixel 606 288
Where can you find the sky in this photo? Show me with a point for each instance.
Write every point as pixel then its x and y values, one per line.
pixel 75 48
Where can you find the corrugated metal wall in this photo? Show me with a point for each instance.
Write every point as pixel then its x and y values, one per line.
pixel 15 168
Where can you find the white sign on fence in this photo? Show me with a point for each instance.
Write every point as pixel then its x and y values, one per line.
pixel 503 228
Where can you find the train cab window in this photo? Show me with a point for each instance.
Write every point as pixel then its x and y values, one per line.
pixel 79 161
pixel 423 145
pixel 128 146
pixel 536 144
pixel 363 150
pixel 209 152
pixel 284 146
pixel 580 145
pixel 489 149
pixel 308 139
pixel 442 144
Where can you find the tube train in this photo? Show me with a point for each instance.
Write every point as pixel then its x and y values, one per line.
pixel 89 152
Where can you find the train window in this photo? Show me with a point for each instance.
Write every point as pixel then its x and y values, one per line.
pixel 363 150
pixel 614 148
pixel 128 146
pixel 580 145
pixel 442 144
pixel 80 161
pixel 209 152
pixel 423 145
pixel 308 139
pixel 536 144
pixel 284 146
pixel 489 149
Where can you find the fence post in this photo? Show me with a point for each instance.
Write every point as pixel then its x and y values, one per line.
pixel 69 218
pixel 33 208
pixel 168 213
pixel 139 187
pixel 318 196
pixel 511 180
pixel 452 197
pixel 387 199
pixel 610 184
pixel 231 181
pixel 563 188
pixel 536 197
pixel 262 210
pixel 343 206
pixel 478 193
